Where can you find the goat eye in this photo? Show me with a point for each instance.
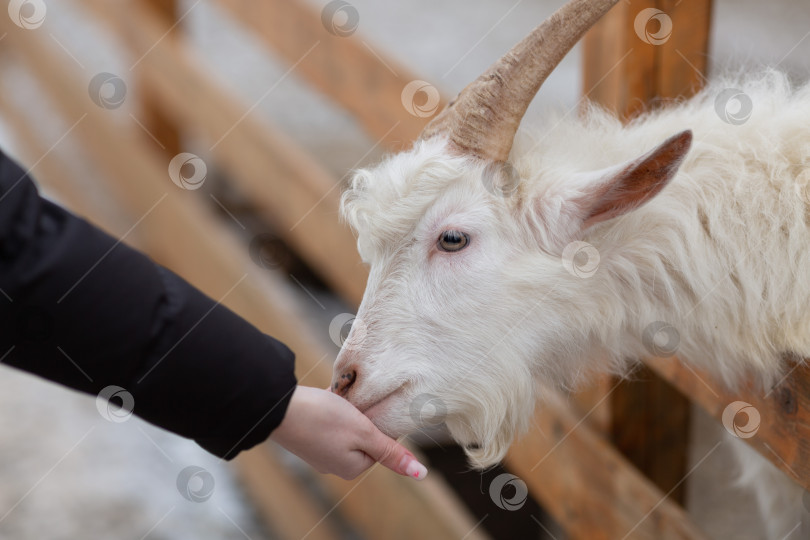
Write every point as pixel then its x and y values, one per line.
pixel 453 241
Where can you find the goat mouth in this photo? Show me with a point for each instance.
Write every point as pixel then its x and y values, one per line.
pixel 365 409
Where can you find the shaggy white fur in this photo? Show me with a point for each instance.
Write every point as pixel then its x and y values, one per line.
pixel 716 264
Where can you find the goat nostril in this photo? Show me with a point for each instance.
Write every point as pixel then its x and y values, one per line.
pixel 344 382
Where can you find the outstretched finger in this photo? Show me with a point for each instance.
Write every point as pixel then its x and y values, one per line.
pixel 393 455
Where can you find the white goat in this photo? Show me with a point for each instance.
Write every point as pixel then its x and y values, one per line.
pixel 680 225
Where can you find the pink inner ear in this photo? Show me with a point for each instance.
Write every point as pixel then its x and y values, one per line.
pixel 638 182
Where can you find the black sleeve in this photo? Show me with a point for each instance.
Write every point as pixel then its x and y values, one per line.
pixel 84 310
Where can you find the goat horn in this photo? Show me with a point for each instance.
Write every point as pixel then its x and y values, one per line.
pixel 484 117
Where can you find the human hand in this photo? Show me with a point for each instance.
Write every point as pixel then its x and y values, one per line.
pixel 334 437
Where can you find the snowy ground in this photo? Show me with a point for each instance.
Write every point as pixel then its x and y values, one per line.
pixel 69 473
pixel 66 472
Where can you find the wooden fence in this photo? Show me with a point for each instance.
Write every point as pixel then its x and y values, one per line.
pixel 602 469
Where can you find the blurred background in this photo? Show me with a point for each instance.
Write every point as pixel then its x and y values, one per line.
pixel 216 136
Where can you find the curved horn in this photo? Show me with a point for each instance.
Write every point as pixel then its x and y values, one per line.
pixel 485 116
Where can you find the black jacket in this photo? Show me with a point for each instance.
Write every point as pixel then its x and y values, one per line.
pixel 81 309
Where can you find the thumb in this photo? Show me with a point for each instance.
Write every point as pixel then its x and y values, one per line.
pixel 393 455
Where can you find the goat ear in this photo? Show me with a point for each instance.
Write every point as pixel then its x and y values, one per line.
pixel 562 213
pixel 626 187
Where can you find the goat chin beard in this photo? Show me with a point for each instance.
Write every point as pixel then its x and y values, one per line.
pixel 483 448
pixel 484 445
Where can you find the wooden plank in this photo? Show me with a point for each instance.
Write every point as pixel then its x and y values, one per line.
pixel 150 113
pixel 626 70
pixel 296 194
pixel 618 68
pixel 783 435
pixel 592 403
pixel 683 59
pixel 181 233
pixel 643 51
pixel 384 511
pixel 587 486
pixel 650 427
pixel 343 67
pixel 261 474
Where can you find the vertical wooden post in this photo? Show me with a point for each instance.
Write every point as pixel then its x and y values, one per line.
pixel 150 114
pixel 643 51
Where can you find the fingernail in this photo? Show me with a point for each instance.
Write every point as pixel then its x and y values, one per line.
pixel 416 470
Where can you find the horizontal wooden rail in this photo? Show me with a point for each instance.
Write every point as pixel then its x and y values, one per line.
pixel 587 486
pixel 287 184
pixel 783 434
pixel 181 233
pixel 295 193
pixel 342 66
